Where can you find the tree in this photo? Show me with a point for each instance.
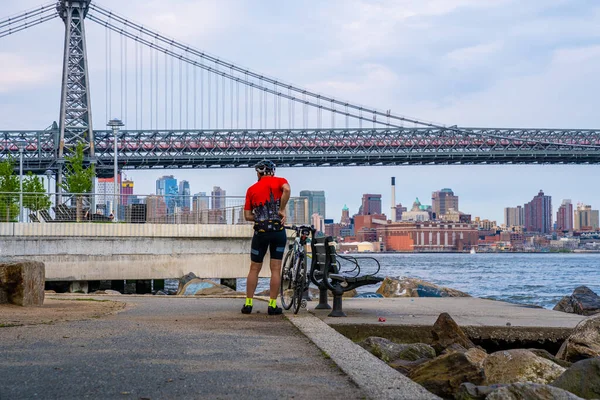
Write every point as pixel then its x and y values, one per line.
pixel 78 180
pixel 34 196
pixel 9 192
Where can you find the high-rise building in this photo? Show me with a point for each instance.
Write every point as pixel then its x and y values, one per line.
pixel 371 204
pixel 514 216
pixel 442 201
pixel 538 214
pixel 398 211
pixel 200 201
pixel 297 211
pixel 218 198
pixel 564 216
pixel 156 208
pixel 316 201
pixel 166 186
pixel 345 220
pixel 126 191
pixel 184 195
pixel 105 194
pixel 586 219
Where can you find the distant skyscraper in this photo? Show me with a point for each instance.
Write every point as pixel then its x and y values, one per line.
pixel 398 211
pixel 105 198
pixel 442 201
pixel 316 201
pixel 156 208
pixel 297 211
pixel 538 214
pixel 218 198
pixel 564 216
pixel 184 195
pixel 345 220
pixel 166 186
pixel 201 201
pixel 126 191
pixel 514 216
pixel 586 219
pixel 371 204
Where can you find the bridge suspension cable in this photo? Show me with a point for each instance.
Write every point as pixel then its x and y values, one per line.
pixel 27 19
pixel 258 81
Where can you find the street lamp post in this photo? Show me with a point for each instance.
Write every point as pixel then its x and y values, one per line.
pixel 115 124
pixel 21 145
pixel 48 174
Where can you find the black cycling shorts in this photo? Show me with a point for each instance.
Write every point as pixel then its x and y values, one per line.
pixel 274 241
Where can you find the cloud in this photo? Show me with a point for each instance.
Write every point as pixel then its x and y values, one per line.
pixel 17 72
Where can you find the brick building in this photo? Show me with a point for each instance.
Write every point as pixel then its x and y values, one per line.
pixel 428 236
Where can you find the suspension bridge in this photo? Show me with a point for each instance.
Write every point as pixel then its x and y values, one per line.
pixel 185 108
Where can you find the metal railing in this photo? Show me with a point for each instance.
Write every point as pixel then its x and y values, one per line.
pixel 122 208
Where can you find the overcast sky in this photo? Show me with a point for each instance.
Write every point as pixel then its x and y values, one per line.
pixel 492 63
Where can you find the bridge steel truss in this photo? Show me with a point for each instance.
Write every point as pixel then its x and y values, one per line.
pixel 313 147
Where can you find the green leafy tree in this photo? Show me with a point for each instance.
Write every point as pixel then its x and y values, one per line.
pixel 9 192
pixel 34 197
pixel 78 179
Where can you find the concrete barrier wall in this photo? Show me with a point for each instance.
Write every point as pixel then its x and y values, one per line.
pixel 87 251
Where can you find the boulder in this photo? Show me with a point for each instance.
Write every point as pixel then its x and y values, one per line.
pixel 22 283
pixel 583 301
pixel 531 391
pixel 444 375
pixel 519 365
pixel 98 292
pixel 446 332
pixel 582 379
pixel 389 351
pixel 405 367
pixel 548 356
pixel 583 342
pixel 469 391
pixel 185 279
pixel 112 292
pixel 160 293
pixel 412 287
pixel 203 287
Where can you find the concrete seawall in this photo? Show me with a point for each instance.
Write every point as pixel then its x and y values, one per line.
pixel 94 251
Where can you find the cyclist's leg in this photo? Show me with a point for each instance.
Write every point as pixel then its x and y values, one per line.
pixel 260 244
pixel 276 250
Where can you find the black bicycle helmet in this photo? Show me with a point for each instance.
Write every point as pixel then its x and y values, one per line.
pixel 265 167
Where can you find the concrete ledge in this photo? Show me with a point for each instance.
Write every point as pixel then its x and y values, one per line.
pixel 372 375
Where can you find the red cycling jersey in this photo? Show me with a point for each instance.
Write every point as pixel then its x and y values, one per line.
pixel 264 198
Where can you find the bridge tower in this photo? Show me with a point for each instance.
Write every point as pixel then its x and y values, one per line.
pixel 75 121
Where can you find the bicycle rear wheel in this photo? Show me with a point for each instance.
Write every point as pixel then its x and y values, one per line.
pixel 286 290
pixel 299 285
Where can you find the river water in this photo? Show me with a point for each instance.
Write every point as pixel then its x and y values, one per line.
pixel 526 278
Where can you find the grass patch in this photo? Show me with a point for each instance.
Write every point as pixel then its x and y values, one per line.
pixel 325 355
pixel 8 325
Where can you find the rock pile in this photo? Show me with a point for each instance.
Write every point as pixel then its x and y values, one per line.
pixel 583 301
pixel 452 367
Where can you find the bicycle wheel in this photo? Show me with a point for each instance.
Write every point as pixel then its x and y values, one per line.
pixel 299 285
pixel 285 287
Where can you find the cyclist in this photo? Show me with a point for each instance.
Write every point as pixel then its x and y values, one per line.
pixel 265 206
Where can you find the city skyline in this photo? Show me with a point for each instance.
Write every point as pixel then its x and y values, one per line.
pixel 503 68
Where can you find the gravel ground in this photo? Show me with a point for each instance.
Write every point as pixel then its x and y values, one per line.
pixel 171 348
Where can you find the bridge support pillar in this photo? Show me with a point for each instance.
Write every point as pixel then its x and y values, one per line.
pixel 230 283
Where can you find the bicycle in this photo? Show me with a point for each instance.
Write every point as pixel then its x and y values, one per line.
pixel 294 279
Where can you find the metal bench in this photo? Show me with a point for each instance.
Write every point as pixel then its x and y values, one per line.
pixel 338 274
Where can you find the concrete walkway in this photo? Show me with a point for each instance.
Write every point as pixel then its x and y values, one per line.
pixel 163 347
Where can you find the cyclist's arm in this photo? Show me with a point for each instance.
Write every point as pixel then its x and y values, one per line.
pixel 285 196
pixel 248 215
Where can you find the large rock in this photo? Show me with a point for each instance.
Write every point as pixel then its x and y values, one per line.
pixel 444 375
pixel 203 287
pixel 185 279
pixel 531 391
pixel 583 301
pixel 582 379
pixel 412 287
pixel 584 341
pixel 446 332
pixel 389 351
pixel 22 283
pixel 405 367
pixel 548 356
pixel 519 365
